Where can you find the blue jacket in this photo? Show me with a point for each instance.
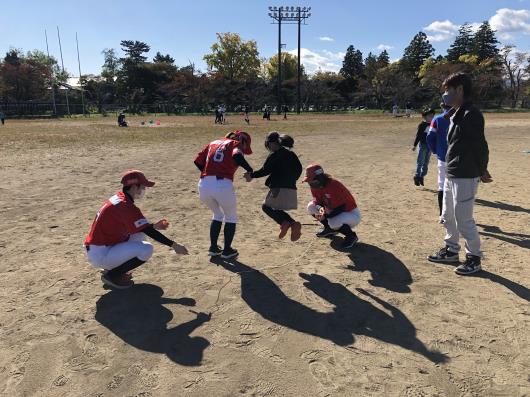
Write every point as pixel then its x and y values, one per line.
pixel 437 136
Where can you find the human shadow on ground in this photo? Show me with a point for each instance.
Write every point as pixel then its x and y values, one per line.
pixel 502 206
pixel 352 315
pixel 386 270
pixel 138 317
pixel 519 239
pixel 520 290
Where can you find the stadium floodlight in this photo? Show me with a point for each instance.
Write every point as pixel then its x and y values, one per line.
pixel 289 15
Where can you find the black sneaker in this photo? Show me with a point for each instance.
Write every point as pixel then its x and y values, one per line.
pixel 229 253
pixel 470 266
pixel 349 241
pixel 416 180
pixel 215 250
pixel 326 232
pixel 443 256
pixel 121 281
pixel 421 181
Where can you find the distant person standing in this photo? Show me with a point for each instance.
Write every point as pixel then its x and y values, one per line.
pixel 467 164
pixel 395 110
pixel 266 113
pixel 217 115
pixel 222 110
pixel 2 118
pixel 424 154
pixel 408 109
pixel 247 118
pixel 437 142
pixel 285 111
pixel 121 120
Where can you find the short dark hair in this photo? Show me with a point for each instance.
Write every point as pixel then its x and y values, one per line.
pixel 286 141
pixel 457 79
pixel 427 112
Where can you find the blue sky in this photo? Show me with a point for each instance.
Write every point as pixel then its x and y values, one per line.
pixel 186 29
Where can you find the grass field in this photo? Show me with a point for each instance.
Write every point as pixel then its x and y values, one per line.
pixel 287 319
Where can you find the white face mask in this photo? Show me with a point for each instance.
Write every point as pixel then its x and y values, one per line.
pixel 141 194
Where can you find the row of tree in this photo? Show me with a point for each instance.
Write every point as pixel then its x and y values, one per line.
pixel 237 76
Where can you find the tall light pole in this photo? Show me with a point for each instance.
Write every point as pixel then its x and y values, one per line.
pixel 289 15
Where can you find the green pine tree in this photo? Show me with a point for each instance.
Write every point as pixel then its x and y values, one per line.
pixel 352 65
pixel 463 44
pixel 416 53
pixel 485 43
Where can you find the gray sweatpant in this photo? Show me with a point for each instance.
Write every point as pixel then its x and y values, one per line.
pixel 457 213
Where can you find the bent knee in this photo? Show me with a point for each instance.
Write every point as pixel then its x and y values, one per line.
pixel 146 251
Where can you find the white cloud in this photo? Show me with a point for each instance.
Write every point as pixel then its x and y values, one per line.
pixel 326 61
pixel 326 38
pixel 441 30
pixel 509 23
pixel 382 47
pixel 337 56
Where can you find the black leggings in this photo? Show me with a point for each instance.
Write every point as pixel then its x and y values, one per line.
pixel 279 216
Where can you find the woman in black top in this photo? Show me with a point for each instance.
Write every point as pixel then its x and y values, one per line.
pixel 283 169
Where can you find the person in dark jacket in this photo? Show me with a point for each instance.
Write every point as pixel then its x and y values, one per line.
pixel 121 120
pixel 467 165
pixel 424 153
pixel 282 168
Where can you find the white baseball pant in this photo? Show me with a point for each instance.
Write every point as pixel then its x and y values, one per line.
pixel 220 196
pixel 351 218
pixel 110 256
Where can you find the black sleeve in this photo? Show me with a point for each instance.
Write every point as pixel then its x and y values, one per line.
pixel 199 166
pixel 474 125
pixel 298 165
pixel 419 133
pixel 240 160
pixel 157 236
pixel 336 211
pixel 266 169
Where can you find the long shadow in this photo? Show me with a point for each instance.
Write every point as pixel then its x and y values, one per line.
pixel 352 315
pixel 520 290
pixel 386 270
pixel 519 239
pixel 138 317
pixel 502 206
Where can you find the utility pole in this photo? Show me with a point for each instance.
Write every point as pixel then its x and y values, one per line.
pixel 79 65
pixel 62 64
pixel 52 75
pixel 289 15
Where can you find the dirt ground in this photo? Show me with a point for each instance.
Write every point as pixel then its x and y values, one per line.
pixel 286 319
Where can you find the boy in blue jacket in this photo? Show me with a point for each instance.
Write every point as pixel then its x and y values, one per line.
pixel 437 142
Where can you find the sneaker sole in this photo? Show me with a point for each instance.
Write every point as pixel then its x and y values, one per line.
pixel 456 260
pixel 109 283
pixel 213 253
pixel 326 235
pixel 231 256
pixel 476 270
pixel 350 245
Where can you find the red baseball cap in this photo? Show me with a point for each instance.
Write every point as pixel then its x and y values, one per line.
pixel 243 136
pixel 312 171
pixel 135 177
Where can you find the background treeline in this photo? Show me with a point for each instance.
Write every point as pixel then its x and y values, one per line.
pixel 238 76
